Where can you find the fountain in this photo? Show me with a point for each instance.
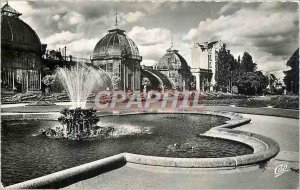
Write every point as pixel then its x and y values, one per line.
pixel 80 81
pixel 79 122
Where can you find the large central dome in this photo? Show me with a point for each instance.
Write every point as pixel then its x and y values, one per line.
pixel 116 45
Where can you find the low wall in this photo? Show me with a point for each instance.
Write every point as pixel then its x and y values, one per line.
pixel 264 149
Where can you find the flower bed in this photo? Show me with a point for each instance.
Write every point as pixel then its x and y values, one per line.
pixel 286 102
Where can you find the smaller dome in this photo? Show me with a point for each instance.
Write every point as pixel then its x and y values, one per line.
pixel 116 45
pixel 172 60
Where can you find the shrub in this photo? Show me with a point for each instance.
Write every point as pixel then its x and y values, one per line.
pixel 253 103
pixel 286 102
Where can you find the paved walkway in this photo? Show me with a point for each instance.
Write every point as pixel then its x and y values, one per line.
pixel 12 105
pixel 284 130
pixel 289 113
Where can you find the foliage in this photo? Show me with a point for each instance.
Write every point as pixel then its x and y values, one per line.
pixel 11 99
pixel 146 81
pixel 277 88
pixel 247 64
pixel 189 77
pixel 291 78
pixel 116 82
pixel 49 80
pixel 226 68
pixel 240 73
pixel 253 103
pixel 79 122
pixel 263 82
pixel 251 83
pixel 287 102
pixel 77 116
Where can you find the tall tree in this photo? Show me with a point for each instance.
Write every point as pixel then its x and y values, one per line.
pixel 239 60
pixel 222 67
pixel 247 63
pixel 227 68
pixel 291 78
pixel 263 82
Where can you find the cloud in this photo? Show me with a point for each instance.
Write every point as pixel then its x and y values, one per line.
pixel 152 43
pixel 81 48
pixel 133 16
pixel 268 31
pixel 233 7
pixel 62 37
pixel 153 36
pixel 148 62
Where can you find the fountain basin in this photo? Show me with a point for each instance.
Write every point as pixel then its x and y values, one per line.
pixel 263 149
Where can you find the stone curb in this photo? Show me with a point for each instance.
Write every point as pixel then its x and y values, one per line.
pixel 72 175
pixel 264 148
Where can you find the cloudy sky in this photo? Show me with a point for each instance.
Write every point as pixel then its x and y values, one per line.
pixel 268 31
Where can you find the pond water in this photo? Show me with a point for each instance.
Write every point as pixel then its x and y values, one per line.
pixel 25 155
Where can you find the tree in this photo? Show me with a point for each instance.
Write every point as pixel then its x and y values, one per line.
pixel 189 77
pixel 226 68
pixel 263 82
pixel 252 83
pixel 247 64
pixel 248 83
pixel 49 80
pixel 116 82
pixel 291 78
pixel 222 67
pixel 146 81
pixel 239 60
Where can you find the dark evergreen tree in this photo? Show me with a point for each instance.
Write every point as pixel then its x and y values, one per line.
pixel 239 60
pixel 227 69
pixel 223 67
pixel 291 78
pixel 263 82
pixel 247 63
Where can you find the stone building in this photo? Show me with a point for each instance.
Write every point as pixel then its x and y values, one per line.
pixel 175 67
pixel 117 55
pixel 204 56
pixel 20 53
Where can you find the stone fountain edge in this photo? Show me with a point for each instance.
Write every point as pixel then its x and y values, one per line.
pixel 264 149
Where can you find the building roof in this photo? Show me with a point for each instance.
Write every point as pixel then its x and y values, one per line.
pixel 15 33
pixel 9 11
pixel 207 45
pixel 116 45
pixel 171 60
